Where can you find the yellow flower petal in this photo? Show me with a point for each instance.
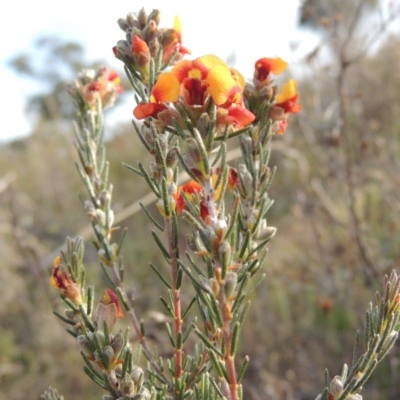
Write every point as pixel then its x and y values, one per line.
pixel 288 91
pixel 166 89
pixel 220 83
pixel 177 25
pixel 238 78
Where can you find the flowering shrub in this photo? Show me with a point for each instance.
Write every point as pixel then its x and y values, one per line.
pixel 186 112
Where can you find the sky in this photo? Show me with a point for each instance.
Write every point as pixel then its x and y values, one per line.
pixel 251 29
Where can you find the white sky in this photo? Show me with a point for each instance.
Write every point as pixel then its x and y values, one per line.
pixel 250 28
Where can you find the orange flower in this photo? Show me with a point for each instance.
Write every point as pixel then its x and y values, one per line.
pixel 288 97
pixel 65 283
pixel 142 56
pixel 192 75
pixel 189 189
pixel 265 66
pixel 233 178
pixel 224 89
pixel 139 46
pixel 286 103
pixel 237 116
pixel 171 40
pixel 165 90
pixel 109 297
pixel 103 86
pixel 192 187
pixel 225 86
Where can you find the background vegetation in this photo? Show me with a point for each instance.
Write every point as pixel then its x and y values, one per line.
pixel 337 208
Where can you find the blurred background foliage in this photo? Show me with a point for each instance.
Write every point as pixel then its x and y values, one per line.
pixel 337 206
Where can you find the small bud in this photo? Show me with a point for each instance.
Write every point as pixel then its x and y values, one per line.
pixel 123 24
pixel 267 233
pixel 246 178
pixel 147 136
pixel 108 353
pixel 128 387
pixel 155 16
pixel 160 207
pixel 172 188
pixel 172 203
pixel 163 140
pixel 252 219
pixel 154 47
pixel 117 343
pixel 137 374
pixel 172 157
pixel 246 143
pixel 145 394
pixel 132 21
pixel 71 314
pixel 203 125
pixel 193 243
pixel 150 32
pixel 225 254
pixel 168 38
pixel 192 151
pixel 142 17
pixel 208 237
pixel 336 386
pixel 265 174
pixel 84 344
pixel 105 197
pixel 230 285
pixel 96 356
pixel 215 287
pixel 221 227
pixel 170 175
pixel 123 51
pixel 110 219
pixel 100 217
pixel 100 337
pixel 98 184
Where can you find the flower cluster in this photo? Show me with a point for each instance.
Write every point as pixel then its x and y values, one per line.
pixel 261 90
pixel 144 40
pixel 191 85
pixel 92 88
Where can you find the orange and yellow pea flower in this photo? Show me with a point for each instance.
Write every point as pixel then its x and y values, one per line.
pixel 265 66
pixel 63 281
pixel 194 80
pixel 165 90
pixel 226 86
pixel 109 297
pixel 187 77
pixel 192 75
pixel 192 186
pixel 287 98
pixel 286 103
pixel 174 41
pixel 189 189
